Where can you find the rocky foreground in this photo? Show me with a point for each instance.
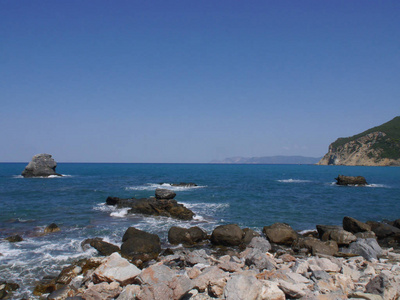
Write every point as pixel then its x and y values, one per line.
pixel 335 262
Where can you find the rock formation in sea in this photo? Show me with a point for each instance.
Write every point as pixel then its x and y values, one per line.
pixel 41 165
pixel 351 180
pixel 378 146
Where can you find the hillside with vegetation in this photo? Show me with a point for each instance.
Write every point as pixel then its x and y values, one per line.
pixel 378 146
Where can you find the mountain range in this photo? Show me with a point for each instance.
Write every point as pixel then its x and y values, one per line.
pixel 280 159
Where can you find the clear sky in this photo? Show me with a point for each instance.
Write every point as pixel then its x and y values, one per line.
pixel 192 81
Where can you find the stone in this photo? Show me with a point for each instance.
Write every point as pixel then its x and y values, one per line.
pixel 159 291
pixel 140 246
pixel 351 180
pixel 383 230
pixel 191 236
pixel 67 274
pixel 324 263
pixel 241 287
pixel 41 165
pixel 116 268
pixel 291 290
pixel 271 291
pixel 354 226
pixel 322 229
pixel 341 237
pixel 153 207
pixel 60 294
pixel 155 274
pixel 227 235
pixel 102 291
pixel 367 296
pixel 249 234
pixel 280 233
pixel 180 285
pixel 316 246
pixel 209 274
pixel 259 260
pixel 102 247
pixel 260 243
pixel 184 184
pixel 53 227
pixel 197 257
pixel 129 292
pixel 367 248
pixel 14 238
pixel 365 235
pixel 6 289
pixel 165 194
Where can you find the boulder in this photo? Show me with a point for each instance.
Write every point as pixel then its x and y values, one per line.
pixel 207 277
pixel 41 165
pixel 179 235
pixel 365 235
pixel 242 287
pixel 259 260
pixel 165 194
pixel 155 274
pixel 227 235
pixel 116 268
pixel 103 291
pixel 341 237
pixel 14 238
pixel 315 246
pixel 140 246
pixel 322 229
pixel 367 248
pixel 280 233
pixel 383 230
pixel 249 234
pixel 101 246
pixel 351 180
pixel 197 257
pixel 352 225
pixel 53 227
pixel 129 292
pixel 260 243
pixel 6 289
pixel 154 207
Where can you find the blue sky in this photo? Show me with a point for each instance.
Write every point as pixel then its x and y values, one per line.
pixel 193 81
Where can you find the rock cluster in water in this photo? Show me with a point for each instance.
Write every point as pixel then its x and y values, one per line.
pixel 41 165
pixel 163 204
pixel 336 262
pixel 351 180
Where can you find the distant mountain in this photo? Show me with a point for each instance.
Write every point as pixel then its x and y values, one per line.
pixel 378 146
pixel 269 160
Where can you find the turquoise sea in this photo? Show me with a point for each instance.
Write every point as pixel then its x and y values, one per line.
pixel 249 195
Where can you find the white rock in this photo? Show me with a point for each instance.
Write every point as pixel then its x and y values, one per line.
pixel 271 291
pixel 292 290
pixel 324 263
pixel 241 287
pixel 297 278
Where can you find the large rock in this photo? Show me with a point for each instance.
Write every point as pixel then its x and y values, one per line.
pixel 6 289
pixel 259 259
pixel 341 237
pixel 179 235
pixel 165 194
pixel 227 235
pixel 354 226
pixel 242 287
pixel 351 180
pixel 280 233
pixel 152 206
pixel 315 246
pixel 41 165
pixel 140 246
pixel 367 248
pixel 383 230
pixel 101 246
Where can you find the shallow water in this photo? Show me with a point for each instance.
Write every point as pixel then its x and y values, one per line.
pixel 249 195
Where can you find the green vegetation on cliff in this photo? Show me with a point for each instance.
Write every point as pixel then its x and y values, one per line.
pixel 390 143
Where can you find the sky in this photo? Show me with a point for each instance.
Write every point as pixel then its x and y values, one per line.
pixel 193 81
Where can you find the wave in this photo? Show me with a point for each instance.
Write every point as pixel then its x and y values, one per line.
pixel 45 177
pixel 290 180
pixel 113 210
pixel 376 185
pixel 154 186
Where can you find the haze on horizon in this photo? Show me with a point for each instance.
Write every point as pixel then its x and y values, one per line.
pixel 193 81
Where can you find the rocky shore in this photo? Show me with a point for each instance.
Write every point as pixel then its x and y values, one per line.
pixel 332 262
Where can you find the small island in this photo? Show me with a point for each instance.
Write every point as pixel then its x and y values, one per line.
pixel 41 165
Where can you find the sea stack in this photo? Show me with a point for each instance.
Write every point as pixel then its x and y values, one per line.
pixel 42 165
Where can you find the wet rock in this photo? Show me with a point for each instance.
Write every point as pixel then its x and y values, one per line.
pixel 61 293
pixel 67 274
pixel 153 207
pixel 184 184
pixel 45 286
pixel 351 180
pixel 6 289
pixel 41 165
pixel 102 247
pixel 140 245
pixel 242 287
pixel 227 235
pixel 14 238
pixel 53 227
pixel 165 194
pixel 179 235
pixel 383 230
pixel 116 268
pixel 280 233
pixel 354 226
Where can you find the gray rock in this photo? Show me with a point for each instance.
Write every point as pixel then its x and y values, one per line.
pixel 165 194
pixel 365 235
pixel 259 260
pixel 197 257
pixel 367 248
pixel 41 165
pixel 241 287
pixel 260 243
pixel 60 294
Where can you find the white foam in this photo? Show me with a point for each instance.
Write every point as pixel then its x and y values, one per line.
pixel 290 180
pixel 373 185
pixel 120 213
pixel 198 218
pixel 307 231
pixel 154 186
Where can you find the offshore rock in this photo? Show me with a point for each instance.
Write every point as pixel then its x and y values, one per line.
pixel 165 194
pixel 351 180
pixel 41 165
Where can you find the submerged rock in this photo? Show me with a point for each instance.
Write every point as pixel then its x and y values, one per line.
pixel 351 180
pixel 41 165
pixel 53 227
pixel 14 238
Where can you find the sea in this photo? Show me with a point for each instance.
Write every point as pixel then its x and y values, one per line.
pixel 252 196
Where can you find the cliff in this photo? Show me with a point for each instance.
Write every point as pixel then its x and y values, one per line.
pixel 378 146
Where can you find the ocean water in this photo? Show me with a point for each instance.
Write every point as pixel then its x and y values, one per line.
pixel 249 195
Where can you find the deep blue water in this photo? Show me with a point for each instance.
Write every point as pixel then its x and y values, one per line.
pixel 249 195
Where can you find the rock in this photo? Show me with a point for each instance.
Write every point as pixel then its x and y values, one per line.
pixel 61 293
pixel 354 226
pixel 154 207
pixel 260 243
pixel 6 289
pixel 241 287
pixel 180 285
pixel 280 233
pixel 324 264
pixel 103 291
pixel 377 285
pixel 271 291
pixel 367 248
pixel 367 296
pixel 45 286
pixel 14 238
pixel 365 235
pixel 140 245
pixel 179 235
pixel 41 165
pixel 396 223
pixel 209 275
pixel 249 234
pixel 165 194
pixel 155 274
pixel 383 230
pixel 52 228
pixel 227 235
pixel 103 248
pixel 351 180
pixel 341 237
pixel 259 260
pixel 322 229
pixel 184 184
pixel 196 257
pixel 67 274
pixel 293 291
pixel 316 246
pixel 129 292
pixel 116 268
pixel 154 292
